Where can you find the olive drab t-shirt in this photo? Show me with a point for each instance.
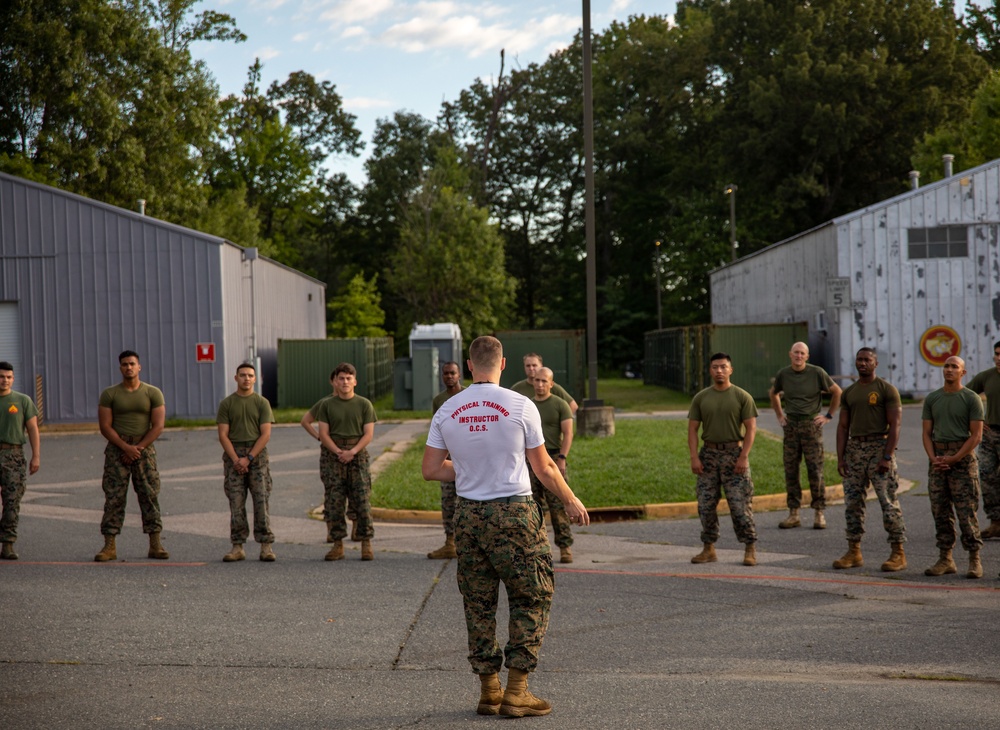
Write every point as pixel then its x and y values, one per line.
pixel 988 382
pixel 803 390
pixel 130 412
pixel 553 411
pixel 951 413
pixel 346 418
pixel 15 410
pixel 866 405
pixel 440 398
pixel 244 414
pixel 722 413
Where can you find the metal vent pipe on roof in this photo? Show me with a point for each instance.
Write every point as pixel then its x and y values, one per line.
pixel 948 162
pixel 142 206
pixel 914 179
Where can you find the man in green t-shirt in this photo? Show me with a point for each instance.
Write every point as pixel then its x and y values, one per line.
pixel 18 423
pixel 988 382
pixel 526 387
pixel 451 376
pixel 802 386
pixel 244 421
pixel 346 427
pixel 557 429
pixel 131 417
pixel 867 435
pixel 952 428
pixel 728 418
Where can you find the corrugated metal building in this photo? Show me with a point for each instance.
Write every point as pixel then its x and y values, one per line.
pixel 80 281
pixel 904 276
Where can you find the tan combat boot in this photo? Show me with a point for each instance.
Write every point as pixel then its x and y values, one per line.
pixel 490 694
pixel 707 555
pixel 108 552
pixel 565 555
pixel 445 551
pixel 7 551
pixel 993 531
pixel 518 701
pixel 336 552
pixel 945 564
pixel 793 519
pixel 819 521
pixel 156 549
pixel 750 554
pixel 237 553
pixel 354 531
pixel 897 559
pixel 266 553
pixel 975 565
pixel 852 558
pixel 366 550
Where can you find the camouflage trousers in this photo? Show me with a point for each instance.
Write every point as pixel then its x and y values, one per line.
pixel 13 473
pixel 342 483
pixel 861 459
pixel 804 440
pixel 503 543
pixel 449 499
pixel 989 472
pixel 145 481
pixel 956 488
pixel 557 511
pixel 719 474
pixel 257 481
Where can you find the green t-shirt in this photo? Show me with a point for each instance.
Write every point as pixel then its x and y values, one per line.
pixel 722 413
pixel 346 418
pixel 866 405
pixel 553 412
pixel 988 382
pixel 130 412
pixel 951 413
pixel 803 390
pixel 244 414
pixel 441 397
pixel 16 409
pixel 528 390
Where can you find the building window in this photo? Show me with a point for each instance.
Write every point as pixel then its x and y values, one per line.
pixel 942 242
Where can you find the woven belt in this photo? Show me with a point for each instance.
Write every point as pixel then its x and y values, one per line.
pixel 943 445
pixel 722 444
pixel 16 447
pixel 502 500
pixel 870 437
pixel 346 443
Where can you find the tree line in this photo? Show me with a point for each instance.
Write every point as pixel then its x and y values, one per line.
pixel 811 109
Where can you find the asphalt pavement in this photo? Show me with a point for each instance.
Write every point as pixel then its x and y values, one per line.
pixel 639 637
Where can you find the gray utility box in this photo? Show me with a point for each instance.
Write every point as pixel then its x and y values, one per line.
pixel 416 381
pixel 445 336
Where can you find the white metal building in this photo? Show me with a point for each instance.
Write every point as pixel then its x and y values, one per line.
pixel 917 277
pixel 80 281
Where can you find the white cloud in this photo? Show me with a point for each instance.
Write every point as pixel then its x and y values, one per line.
pixel 360 103
pixel 300 38
pixel 469 33
pixel 354 31
pixel 267 53
pixel 620 7
pixel 355 11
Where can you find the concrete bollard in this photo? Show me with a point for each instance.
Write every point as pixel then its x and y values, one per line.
pixel 595 421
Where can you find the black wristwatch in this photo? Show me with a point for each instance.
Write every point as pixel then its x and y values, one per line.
pixel 887 457
pixel 829 416
pixel 250 458
pixel 560 456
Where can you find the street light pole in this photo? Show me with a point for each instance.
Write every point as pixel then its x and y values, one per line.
pixel 730 190
pixel 659 308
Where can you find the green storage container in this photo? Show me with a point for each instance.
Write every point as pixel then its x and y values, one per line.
pixel 564 351
pixel 304 368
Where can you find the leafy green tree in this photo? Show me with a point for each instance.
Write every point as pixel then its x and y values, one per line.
pixel 449 266
pixel 356 311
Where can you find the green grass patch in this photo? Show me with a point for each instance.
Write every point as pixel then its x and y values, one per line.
pixel 646 462
pixel 632 396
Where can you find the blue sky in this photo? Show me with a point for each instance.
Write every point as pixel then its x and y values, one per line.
pixel 386 55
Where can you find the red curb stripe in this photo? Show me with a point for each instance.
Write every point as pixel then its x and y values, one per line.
pixel 728 576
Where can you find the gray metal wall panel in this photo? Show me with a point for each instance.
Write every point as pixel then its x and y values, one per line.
pixel 92 280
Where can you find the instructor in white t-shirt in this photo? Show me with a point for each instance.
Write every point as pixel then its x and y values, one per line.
pixel 490 433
